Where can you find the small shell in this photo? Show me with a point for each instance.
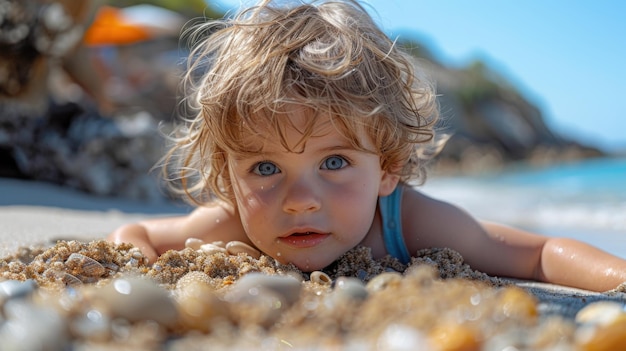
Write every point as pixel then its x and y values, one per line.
pixel 70 280
pixel 600 313
pixel 60 276
pixel 193 243
pixel 237 247
pixel 210 249
pixel 321 278
pixel 384 280
pixel 219 243
pixel 111 266
pixel 78 264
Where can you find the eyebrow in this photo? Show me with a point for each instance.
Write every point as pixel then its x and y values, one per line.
pixel 271 153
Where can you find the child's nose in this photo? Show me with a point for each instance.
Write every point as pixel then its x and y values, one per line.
pixel 301 197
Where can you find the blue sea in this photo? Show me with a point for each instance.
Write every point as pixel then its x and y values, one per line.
pixel 585 200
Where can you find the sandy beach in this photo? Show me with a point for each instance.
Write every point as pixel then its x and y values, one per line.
pixel 34 213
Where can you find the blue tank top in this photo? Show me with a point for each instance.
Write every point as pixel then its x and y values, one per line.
pixel 391 218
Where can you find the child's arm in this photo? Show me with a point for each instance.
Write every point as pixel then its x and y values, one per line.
pixel 567 261
pixel 503 251
pixel 155 236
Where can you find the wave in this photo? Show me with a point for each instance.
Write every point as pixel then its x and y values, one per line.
pixel 588 195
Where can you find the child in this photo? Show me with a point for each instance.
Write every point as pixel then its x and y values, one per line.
pixel 309 125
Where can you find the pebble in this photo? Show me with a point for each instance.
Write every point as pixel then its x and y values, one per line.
pixel 603 327
pixel 398 337
pixel 599 313
pixel 383 281
pixel 210 249
pixel 193 243
pixel 10 289
pixel 198 305
pixel 32 327
pixel 138 299
pixel 237 247
pixel 454 337
pixel 286 286
pixel 92 324
pixel 348 288
pixel 261 299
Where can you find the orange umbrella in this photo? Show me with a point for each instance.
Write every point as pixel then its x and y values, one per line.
pixel 118 26
pixel 110 28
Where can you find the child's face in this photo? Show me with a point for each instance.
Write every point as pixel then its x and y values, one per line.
pixel 308 208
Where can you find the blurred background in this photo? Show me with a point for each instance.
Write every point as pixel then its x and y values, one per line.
pixel 531 93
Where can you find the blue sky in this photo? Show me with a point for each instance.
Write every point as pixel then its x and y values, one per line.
pixel 567 57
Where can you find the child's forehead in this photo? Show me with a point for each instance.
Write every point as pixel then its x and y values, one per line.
pixel 294 127
pixel 289 118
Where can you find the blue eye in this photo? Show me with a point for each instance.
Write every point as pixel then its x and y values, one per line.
pixel 265 169
pixel 334 162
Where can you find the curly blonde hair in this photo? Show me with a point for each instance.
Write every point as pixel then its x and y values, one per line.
pixel 329 57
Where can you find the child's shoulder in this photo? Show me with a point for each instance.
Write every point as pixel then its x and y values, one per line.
pixel 215 222
pixel 431 221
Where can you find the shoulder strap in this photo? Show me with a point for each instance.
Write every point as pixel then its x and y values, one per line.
pixel 391 216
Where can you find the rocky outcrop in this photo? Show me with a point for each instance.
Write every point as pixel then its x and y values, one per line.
pixel 492 124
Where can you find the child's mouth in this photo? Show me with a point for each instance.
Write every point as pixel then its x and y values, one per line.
pixel 304 240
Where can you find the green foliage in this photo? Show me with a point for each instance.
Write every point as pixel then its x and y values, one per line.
pixel 477 85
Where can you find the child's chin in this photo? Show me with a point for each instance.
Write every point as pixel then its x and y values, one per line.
pixel 310 265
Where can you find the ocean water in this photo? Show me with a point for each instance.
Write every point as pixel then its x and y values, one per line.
pixel 585 200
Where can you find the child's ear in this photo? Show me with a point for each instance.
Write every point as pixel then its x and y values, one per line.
pixel 388 183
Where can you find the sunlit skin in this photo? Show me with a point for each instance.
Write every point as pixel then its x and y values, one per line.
pixel 311 206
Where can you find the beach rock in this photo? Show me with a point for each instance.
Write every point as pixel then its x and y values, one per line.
pixel 349 289
pixel 31 327
pixel 286 286
pixel 11 289
pixel 194 243
pixel 399 337
pixel 384 280
pixel 262 299
pixel 600 313
pixel 198 305
pixel 212 248
pixel 492 124
pixel 138 299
